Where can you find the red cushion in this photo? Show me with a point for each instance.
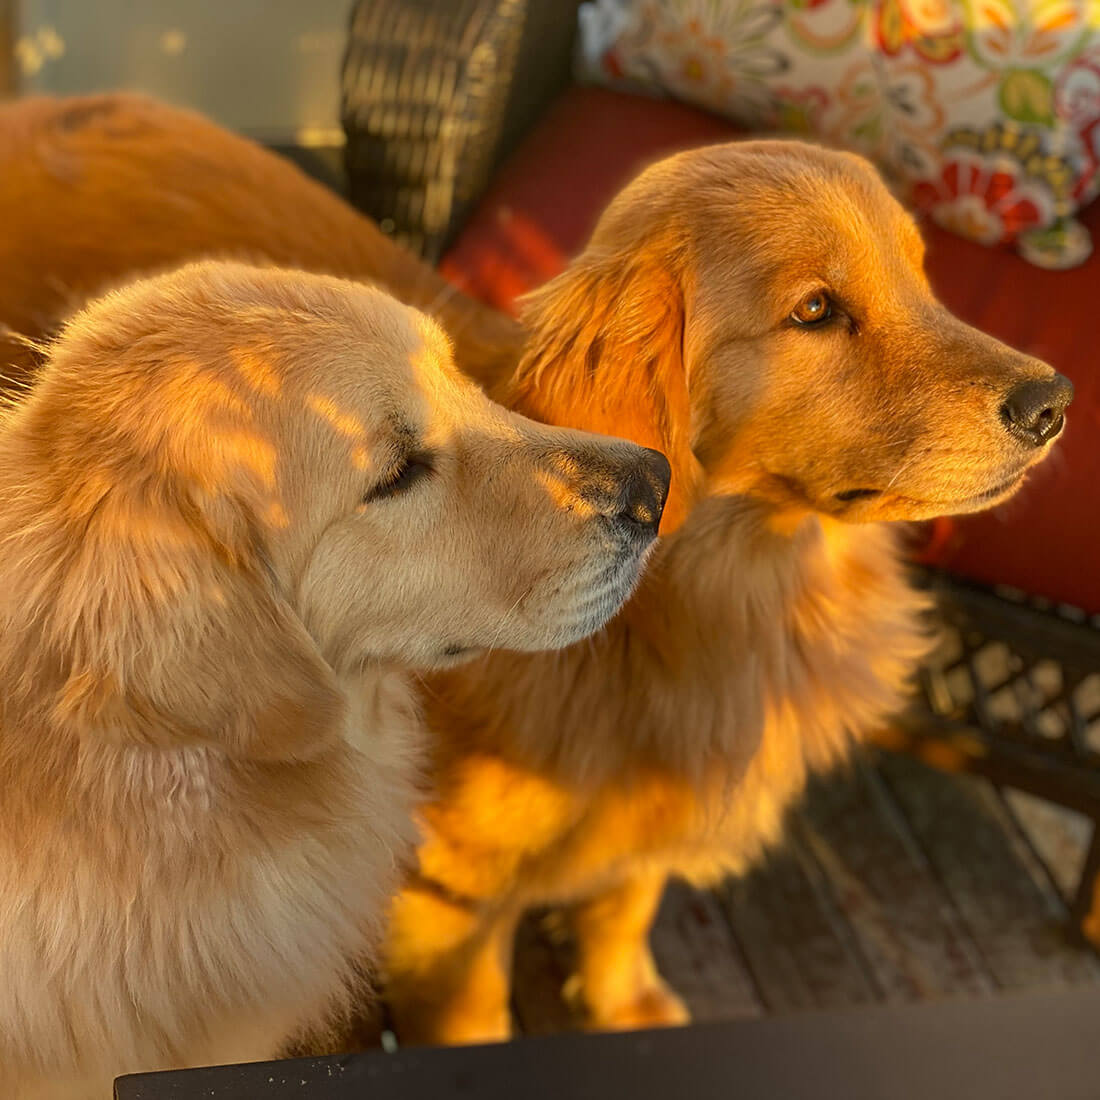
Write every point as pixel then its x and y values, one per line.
pixel 545 201
pixel 1046 539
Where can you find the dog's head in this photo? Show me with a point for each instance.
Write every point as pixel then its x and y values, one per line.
pixel 760 311
pixel 240 484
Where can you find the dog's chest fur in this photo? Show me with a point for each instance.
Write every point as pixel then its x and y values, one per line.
pixel 748 659
pixel 176 907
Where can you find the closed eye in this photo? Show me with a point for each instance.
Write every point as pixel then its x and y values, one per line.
pixel 408 472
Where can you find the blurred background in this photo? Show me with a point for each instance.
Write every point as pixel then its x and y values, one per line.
pixel 269 69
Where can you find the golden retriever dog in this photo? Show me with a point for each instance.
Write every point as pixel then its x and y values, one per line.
pixel 759 312
pixel 96 189
pixel 234 507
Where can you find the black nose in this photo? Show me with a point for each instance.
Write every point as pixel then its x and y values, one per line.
pixel 1033 410
pixel 645 490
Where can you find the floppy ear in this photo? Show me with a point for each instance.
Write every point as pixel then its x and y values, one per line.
pixel 606 355
pixel 173 633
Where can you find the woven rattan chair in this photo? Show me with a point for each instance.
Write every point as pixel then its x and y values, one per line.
pixel 435 92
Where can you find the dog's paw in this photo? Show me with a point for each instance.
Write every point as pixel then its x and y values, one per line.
pixel 470 1031
pixel 452 1025
pixel 655 1005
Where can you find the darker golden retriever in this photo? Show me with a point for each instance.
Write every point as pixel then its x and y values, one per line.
pixel 759 312
pixel 99 188
pixel 236 505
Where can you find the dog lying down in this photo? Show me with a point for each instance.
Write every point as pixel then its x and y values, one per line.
pixel 78 175
pixel 235 506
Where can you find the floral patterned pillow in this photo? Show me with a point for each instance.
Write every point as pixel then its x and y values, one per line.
pixel 985 112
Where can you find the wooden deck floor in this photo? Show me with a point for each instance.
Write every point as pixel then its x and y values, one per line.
pixel 897 883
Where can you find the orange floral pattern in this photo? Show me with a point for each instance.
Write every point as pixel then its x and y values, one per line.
pixel 988 111
pixel 992 206
pixel 932 29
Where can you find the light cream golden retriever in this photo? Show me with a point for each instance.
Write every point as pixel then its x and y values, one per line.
pixel 236 504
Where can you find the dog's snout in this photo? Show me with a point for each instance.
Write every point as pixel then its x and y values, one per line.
pixel 625 483
pixel 645 490
pixel 640 490
pixel 630 490
pixel 1033 411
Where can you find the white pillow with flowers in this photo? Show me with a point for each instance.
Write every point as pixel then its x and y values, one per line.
pixel 985 112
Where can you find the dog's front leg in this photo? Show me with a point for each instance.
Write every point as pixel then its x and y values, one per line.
pixel 449 969
pixel 616 982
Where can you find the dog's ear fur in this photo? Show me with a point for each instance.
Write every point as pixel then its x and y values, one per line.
pixel 171 632
pixel 606 355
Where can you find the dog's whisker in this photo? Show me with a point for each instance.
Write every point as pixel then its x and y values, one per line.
pixel 900 470
pixel 507 615
pixel 445 294
pixel 424 685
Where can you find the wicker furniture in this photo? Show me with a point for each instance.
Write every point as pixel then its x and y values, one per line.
pixel 1013 693
pixel 434 94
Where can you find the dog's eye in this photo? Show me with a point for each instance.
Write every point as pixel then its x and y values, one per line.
pixel 402 478
pixel 814 309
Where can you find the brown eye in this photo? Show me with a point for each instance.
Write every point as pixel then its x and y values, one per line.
pixel 813 309
pixel 400 479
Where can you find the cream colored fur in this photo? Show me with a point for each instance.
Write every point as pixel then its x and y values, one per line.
pixel 213 575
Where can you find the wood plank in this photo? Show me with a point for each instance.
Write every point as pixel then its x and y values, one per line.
pixel 698 956
pixel 791 935
pixel 1059 837
pixel 1018 923
pixel 904 924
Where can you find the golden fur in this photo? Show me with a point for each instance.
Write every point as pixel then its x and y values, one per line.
pixel 235 505
pixel 775 623
pixel 100 188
